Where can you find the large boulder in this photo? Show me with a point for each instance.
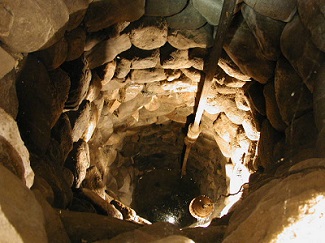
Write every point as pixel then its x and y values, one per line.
pixel 14 155
pixel 34 24
pixel 312 14
pixel 275 9
pixel 298 47
pixel 104 13
pixel 299 197
pixel 210 10
pixel 21 216
pixel 164 7
pixel 267 32
pixel 242 48
pixel 8 94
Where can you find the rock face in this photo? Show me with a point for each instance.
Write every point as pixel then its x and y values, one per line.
pixel 25 221
pixel 25 32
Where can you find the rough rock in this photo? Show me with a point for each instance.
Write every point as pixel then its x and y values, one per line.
pixel 34 34
pixel 188 19
pixel 312 15
pixel 292 96
pixel 272 109
pixel 21 216
pixel 9 100
pixel 174 59
pixel 80 77
pixel 93 120
pixel 94 88
pixel 128 108
pixel 53 56
pixel 107 50
pixel 136 58
pixel 186 39
pixel 123 67
pixel 61 83
pixel 141 76
pixel 149 33
pixel 101 227
pixel 225 128
pixel 77 10
pixel 52 173
pixel 102 13
pixel 78 162
pixel 298 196
pixel 298 48
pixel 191 73
pixel 7 62
pixel 230 68
pixel 41 185
pixel 106 72
pixel 275 9
pixel 319 98
pixel 267 32
pixel 79 120
pixel 210 10
pixel 250 128
pixel 239 45
pixel 62 133
pixel 14 155
pixel 93 181
pixel 164 8
pixel 76 42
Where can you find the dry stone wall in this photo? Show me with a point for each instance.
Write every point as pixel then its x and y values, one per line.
pixel 80 78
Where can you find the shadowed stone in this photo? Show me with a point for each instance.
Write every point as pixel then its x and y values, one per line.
pixel 77 10
pixel 188 19
pixel 275 9
pixel 80 77
pixel 268 140
pixel 171 58
pixel 209 9
pixel 272 109
pixel 292 96
pixel 102 227
pixel 36 24
pixel 241 46
pixel 186 39
pixel 312 15
pixel 319 99
pixel 55 55
pixel 164 7
pixel 267 32
pixel 298 48
pixel 104 13
pixel 107 50
pixel 76 42
pixel 52 172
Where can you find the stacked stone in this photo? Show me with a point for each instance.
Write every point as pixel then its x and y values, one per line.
pixel 92 72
